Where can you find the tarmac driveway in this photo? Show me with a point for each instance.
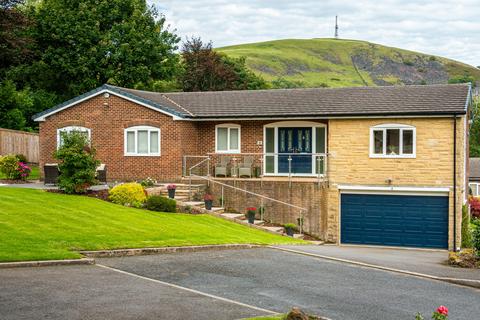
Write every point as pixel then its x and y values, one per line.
pixel 277 280
pixel 227 284
pixel 431 262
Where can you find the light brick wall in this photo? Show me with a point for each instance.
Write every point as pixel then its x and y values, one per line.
pixel 349 162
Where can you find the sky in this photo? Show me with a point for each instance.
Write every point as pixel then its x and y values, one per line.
pixel 445 28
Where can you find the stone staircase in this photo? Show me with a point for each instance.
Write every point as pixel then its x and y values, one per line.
pixel 182 193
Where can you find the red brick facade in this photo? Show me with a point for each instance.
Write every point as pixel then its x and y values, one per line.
pixel 107 124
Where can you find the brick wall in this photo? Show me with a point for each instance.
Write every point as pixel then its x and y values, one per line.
pixel 107 124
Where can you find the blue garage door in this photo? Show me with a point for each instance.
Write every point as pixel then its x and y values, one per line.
pixel 394 220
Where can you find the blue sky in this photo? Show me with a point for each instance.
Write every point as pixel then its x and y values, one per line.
pixel 445 28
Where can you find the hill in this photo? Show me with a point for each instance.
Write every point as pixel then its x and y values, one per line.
pixel 340 63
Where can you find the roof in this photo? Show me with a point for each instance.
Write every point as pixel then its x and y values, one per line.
pixel 474 169
pixel 287 103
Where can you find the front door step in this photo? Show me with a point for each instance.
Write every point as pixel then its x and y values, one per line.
pixel 233 215
pixel 195 203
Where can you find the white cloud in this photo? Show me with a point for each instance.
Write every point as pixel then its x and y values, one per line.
pixel 444 27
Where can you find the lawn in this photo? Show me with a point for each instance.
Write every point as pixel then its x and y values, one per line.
pixel 38 225
pixel 34 175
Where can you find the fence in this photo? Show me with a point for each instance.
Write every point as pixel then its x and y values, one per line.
pixel 20 142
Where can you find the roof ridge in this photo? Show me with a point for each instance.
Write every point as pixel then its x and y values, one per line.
pixel 177 104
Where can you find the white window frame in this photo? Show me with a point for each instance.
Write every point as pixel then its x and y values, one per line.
pixel 228 126
pixel 477 184
pixel 383 128
pixel 293 124
pixel 135 129
pixel 70 129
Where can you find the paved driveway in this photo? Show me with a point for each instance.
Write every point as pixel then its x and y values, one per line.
pixel 248 282
pixel 421 261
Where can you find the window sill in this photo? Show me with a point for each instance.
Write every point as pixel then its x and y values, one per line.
pixel 141 155
pixel 227 152
pixel 383 156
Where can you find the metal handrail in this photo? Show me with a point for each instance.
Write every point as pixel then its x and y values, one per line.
pixel 302 210
pixel 185 157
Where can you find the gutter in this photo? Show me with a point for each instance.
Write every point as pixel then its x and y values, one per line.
pixel 455 183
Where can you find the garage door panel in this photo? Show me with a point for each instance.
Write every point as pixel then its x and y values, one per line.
pixel 394 220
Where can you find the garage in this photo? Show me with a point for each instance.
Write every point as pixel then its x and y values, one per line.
pixel 394 220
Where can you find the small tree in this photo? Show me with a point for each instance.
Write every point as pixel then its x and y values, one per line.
pixel 78 164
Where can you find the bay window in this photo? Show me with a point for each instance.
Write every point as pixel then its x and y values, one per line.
pixel 392 141
pixel 142 141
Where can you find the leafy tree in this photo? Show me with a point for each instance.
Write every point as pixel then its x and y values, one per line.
pixel 282 83
pixel 207 70
pixel 14 40
pixel 474 138
pixel 83 44
pixel 18 106
pixel 78 164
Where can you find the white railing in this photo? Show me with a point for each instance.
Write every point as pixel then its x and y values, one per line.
pixel 258 165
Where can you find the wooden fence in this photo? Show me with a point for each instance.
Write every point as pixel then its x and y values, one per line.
pixel 19 142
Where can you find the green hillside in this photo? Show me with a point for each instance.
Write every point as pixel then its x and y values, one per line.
pixel 339 63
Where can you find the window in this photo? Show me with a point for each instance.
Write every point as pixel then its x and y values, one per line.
pixel 227 139
pixel 474 188
pixel 392 141
pixel 62 131
pixel 142 141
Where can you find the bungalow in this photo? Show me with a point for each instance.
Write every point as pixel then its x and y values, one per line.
pixel 366 165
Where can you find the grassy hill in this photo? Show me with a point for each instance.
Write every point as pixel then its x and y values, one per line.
pixel 339 63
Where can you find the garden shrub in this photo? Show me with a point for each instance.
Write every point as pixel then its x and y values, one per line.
pixel 9 166
pixel 77 163
pixel 13 168
pixel 474 206
pixel 149 182
pixel 22 158
pixel 128 194
pixel 476 236
pixel 466 232
pixel 162 204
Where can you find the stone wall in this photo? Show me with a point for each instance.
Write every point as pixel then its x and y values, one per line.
pixel 309 195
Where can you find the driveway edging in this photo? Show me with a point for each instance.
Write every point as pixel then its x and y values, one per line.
pixel 47 263
pixel 163 250
pixel 458 281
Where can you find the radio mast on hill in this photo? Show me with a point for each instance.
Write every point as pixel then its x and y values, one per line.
pixel 336 27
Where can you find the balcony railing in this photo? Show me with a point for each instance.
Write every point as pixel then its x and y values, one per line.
pixel 256 165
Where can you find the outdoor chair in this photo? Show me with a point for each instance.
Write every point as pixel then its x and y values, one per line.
pixel 246 167
pixel 221 168
pixel 102 173
pixel 51 173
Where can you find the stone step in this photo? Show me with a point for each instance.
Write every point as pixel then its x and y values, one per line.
pixel 233 215
pixel 274 229
pixel 258 222
pixel 217 209
pixel 298 236
pixel 195 203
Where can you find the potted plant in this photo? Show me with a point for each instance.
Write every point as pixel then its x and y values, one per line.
pixel 290 228
pixel 171 190
pixel 208 198
pixel 251 211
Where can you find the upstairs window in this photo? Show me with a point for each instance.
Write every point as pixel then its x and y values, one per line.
pixel 142 141
pixel 392 141
pixel 227 138
pixel 62 131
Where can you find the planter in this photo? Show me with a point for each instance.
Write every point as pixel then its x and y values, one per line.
pixel 208 204
pixel 251 216
pixel 290 231
pixel 171 193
